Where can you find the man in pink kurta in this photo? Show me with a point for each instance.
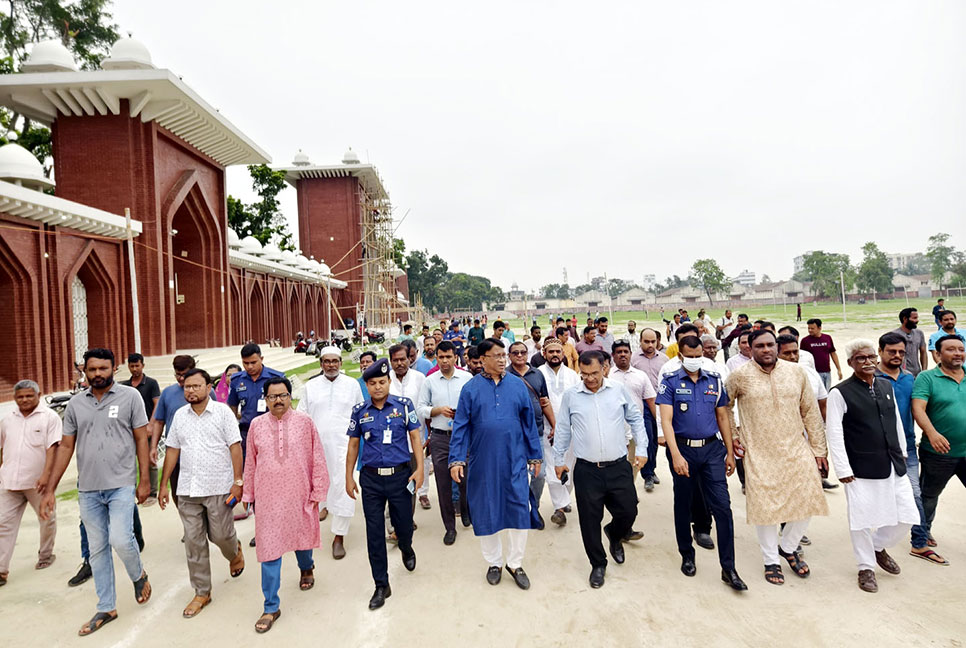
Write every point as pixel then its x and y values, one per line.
pixel 285 472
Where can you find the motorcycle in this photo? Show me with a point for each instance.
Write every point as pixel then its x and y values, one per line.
pixel 59 403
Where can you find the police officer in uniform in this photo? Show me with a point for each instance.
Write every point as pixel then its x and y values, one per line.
pixel 389 426
pixel 694 418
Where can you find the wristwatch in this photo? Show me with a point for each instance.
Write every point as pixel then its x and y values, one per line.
pixel 239 482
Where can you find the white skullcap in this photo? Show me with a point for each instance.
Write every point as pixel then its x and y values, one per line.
pixel 331 350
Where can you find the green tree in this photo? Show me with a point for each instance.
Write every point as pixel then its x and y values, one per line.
pixel 617 286
pixel 426 275
pixel 262 219
pixel 550 290
pixel 941 256
pixel 399 253
pixel 874 275
pixel 824 270
pixel 669 283
pixel 708 276
pixel 85 27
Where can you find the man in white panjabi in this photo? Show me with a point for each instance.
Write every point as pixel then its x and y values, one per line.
pixel 329 400
pixel 559 379
pixel 868 451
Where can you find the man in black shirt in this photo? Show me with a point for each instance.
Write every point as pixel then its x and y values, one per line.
pixel 150 393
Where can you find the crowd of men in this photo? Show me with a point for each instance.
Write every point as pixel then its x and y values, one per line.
pixel 500 420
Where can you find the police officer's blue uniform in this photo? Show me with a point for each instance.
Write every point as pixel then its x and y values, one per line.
pixel 249 397
pixel 384 476
pixel 696 432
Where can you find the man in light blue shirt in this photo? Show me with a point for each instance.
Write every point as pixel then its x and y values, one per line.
pixel 437 402
pixel 947 326
pixel 592 417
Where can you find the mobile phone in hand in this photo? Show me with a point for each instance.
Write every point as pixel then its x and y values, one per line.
pixel 411 487
pixel 231 501
pixel 565 477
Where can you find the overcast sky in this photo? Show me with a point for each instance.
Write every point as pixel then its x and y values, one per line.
pixel 523 137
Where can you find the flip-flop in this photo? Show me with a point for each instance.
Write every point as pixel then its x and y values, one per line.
pixel 140 585
pixel 931 542
pixel 930 556
pixel 44 564
pixel 237 564
pixel 97 622
pixel 307 579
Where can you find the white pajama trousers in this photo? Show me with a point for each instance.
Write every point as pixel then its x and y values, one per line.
pixel 492 547
pixel 340 524
pixel 865 542
pixel 559 493
pixel 769 541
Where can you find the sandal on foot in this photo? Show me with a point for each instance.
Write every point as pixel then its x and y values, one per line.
pixel 142 589
pixel 930 556
pixel 307 580
pixel 796 562
pixel 44 563
pixel 774 575
pixel 195 606
pixel 95 623
pixel 867 581
pixel 237 564
pixel 264 623
pixel 885 561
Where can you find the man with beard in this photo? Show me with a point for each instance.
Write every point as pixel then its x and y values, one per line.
pixel 559 378
pixel 473 363
pixel 150 392
pixel 108 426
pixel 329 400
pixel 916 356
pixel 534 344
pixel 868 451
pixel 783 467
pixel 495 438
pixel 606 339
pixel 570 354
pixel 632 337
pixel 205 434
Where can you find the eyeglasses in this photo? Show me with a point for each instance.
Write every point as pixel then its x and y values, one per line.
pixel 495 356
pixel 862 359
pixel 518 352
pixel 271 398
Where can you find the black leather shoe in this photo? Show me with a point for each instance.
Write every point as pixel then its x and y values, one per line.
pixel 633 536
pixel 409 560
pixel 379 597
pixel 449 537
pixel 827 485
pixel 688 568
pixel 731 577
pixel 82 576
pixel 703 540
pixel 519 577
pixel 617 551
pixel 597 577
pixel 250 544
pixel 541 525
pixel 466 519
pixel 493 575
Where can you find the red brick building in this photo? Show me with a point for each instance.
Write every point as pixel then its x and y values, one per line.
pixel 130 136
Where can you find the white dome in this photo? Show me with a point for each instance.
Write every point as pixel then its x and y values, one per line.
pixel 324 270
pixel 233 240
pixel 128 54
pixel 301 159
pixel 304 263
pixel 350 157
pixel 250 245
pixel 289 258
pixel 18 165
pixel 50 56
pixel 271 252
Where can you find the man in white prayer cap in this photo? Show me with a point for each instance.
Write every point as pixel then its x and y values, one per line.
pixel 329 400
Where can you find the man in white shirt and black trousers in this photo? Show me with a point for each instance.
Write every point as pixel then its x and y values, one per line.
pixel 592 417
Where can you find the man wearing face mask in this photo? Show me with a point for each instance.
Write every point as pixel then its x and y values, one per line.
pixel 694 413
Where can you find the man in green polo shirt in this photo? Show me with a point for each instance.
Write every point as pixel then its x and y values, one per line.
pixel 939 407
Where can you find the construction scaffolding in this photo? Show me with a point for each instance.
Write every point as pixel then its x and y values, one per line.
pixel 379 300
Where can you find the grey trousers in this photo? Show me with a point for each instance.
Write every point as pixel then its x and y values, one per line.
pixel 204 519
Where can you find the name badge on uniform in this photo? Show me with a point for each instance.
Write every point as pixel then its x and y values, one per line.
pixel 366 419
pixel 387 436
pixel 112 411
pixel 684 407
pixel 261 405
pixel 682 391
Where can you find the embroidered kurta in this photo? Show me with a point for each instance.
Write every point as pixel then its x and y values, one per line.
pixel 873 503
pixel 782 481
pixel 330 403
pixel 494 433
pixel 285 473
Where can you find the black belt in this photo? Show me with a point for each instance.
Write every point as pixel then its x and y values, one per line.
pixel 386 472
pixel 603 464
pixel 696 443
pixel 441 431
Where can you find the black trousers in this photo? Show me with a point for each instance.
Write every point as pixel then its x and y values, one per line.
pixel 439 448
pixel 610 487
pixel 377 492
pixel 707 465
pixel 935 471
pixel 650 426
pixel 700 513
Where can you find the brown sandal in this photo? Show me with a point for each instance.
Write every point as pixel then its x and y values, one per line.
pixel 307 581
pixel 45 562
pixel 237 564
pixel 195 606
pixel 867 581
pixel 265 622
pixel 886 562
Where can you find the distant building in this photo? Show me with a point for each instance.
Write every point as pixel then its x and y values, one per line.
pixel 746 278
pixel 799 262
pixel 899 261
pixel 515 293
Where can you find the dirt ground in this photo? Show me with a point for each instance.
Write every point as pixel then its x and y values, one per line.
pixel 446 601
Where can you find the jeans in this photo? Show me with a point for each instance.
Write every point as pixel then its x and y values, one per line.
pixel 85 546
pixel 650 426
pixel 272 577
pixel 826 378
pixel 108 518
pixel 919 532
pixel 935 471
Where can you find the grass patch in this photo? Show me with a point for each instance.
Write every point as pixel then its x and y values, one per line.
pixel 67 495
